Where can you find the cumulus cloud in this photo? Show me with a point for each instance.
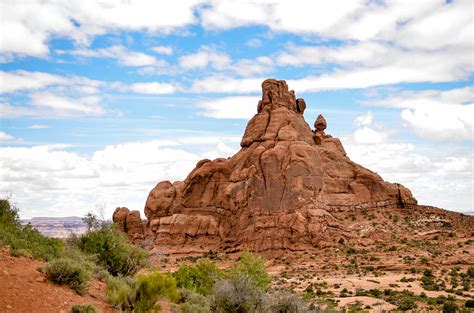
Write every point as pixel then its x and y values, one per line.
pixel 122 55
pixel 204 57
pixel 31 24
pixel 221 62
pixel 163 50
pixel 25 80
pixel 422 24
pixel 64 183
pixel 224 84
pixel 443 181
pixel 435 114
pixel 230 107
pixel 153 88
pixel 63 106
pixel 5 137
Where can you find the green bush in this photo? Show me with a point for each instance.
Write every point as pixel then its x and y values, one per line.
pixel 237 295
pixel 449 307
pixel 252 267
pixel 469 304
pixel 199 278
pixel 121 292
pixel 111 248
pixel 428 281
pixel 84 308
pixel 193 302
pixel 24 240
pixel 151 287
pixel 68 271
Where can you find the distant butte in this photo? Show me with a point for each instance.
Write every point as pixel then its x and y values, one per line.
pixel 289 187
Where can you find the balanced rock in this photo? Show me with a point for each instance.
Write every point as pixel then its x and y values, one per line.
pixel 282 190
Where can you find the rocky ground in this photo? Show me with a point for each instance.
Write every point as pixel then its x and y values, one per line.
pixel 24 289
pixel 388 252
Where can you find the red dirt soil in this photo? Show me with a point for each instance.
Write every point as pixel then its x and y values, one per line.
pixel 24 289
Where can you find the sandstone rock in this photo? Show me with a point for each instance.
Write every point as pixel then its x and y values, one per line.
pixel 279 191
pixel 320 123
pixel 129 222
pixel 119 217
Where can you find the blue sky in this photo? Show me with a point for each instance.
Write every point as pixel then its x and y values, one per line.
pixel 101 100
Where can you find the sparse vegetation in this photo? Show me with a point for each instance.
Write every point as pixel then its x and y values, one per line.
pixel 110 246
pixel 253 267
pixel 237 294
pixel 70 272
pixel 121 292
pixel 150 288
pixel 24 240
pixel 199 278
pixel 84 308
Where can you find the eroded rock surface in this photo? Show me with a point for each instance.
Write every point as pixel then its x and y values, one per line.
pixel 280 191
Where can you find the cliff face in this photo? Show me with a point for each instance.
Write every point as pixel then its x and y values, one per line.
pixel 282 190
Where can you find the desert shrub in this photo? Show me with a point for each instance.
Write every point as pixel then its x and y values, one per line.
pixel 111 248
pixel 428 281
pixel 286 302
pixel 252 267
pixel 193 302
pixel 199 278
pixel 469 304
pixel 449 307
pixel 470 271
pixel 237 294
pixel 68 271
pixel 84 308
pixel 24 240
pixel 121 292
pixel 151 287
pixel 407 304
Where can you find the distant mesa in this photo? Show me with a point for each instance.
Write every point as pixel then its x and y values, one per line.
pixel 58 227
pixel 288 187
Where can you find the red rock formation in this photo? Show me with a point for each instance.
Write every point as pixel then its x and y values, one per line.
pixel 130 223
pixel 280 191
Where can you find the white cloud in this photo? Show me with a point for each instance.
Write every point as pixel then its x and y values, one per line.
pixel 21 80
pixel 38 126
pixel 442 181
pixel 223 84
pixel 122 55
pixel 16 81
pixel 257 66
pixel 420 24
pixel 230 107
pixel 360 53
pixel 31 24
pixel 163 50
pixel 365 120
pixel 434 114
pixel 365 65
pixel 153 88
pixel 204 57
pixel 367 135
pixel 5 137
pixel 254 42
pixel 437 121
pixel 44 180
pixel 221 62
pixel 51 104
